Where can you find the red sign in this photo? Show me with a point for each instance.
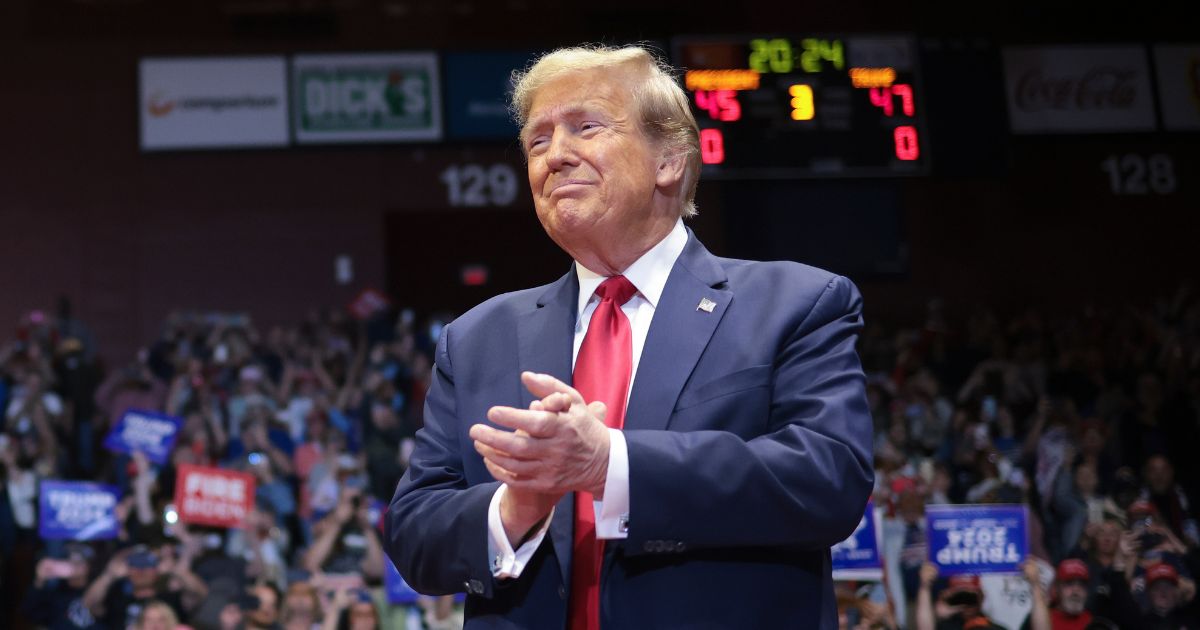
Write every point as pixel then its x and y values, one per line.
pixel 213 496
pixel 367 303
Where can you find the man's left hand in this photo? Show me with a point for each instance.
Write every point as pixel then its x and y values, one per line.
pixel 561 447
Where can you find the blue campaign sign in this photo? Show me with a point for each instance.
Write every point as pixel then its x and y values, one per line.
pixel 146 431
pixel 477 88
pixel 976 539
pixel 858 556
pixel 76 510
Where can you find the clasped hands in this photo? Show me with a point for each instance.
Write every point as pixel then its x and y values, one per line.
pixel 559 445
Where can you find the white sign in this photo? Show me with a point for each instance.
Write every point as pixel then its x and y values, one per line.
pixel 213 102
pixel 392 97
pixel 1078 89
pixel 1179 85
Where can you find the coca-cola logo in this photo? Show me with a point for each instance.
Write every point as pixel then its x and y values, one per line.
pixel 1101 87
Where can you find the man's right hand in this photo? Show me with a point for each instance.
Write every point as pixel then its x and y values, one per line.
pixel 521 511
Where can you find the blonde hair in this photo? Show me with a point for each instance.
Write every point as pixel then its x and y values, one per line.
pixel 160 606
pixel 663 105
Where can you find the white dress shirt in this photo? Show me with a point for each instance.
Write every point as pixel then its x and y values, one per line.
pixel 648 275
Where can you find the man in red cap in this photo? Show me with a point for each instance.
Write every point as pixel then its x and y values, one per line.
pixel 1167 602
pixel 959 605
pixel 1070 610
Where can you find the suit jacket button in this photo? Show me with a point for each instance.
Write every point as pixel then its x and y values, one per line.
pixel 562 591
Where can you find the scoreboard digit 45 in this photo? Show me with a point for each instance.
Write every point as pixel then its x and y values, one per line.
pixel 783 106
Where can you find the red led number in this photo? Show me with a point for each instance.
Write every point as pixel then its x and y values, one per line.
pixel 883 99
pixel 904 91
pixel 906 143
pixel 712 146
pixel 720 104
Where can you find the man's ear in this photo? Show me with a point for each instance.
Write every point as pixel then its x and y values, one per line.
pixel 670 170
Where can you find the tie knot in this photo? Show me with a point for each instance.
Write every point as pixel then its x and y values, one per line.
pixel 617 288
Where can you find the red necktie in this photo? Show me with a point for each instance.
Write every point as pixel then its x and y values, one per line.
pixel 602 372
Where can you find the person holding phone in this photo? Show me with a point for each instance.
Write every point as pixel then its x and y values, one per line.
pixel 958 606
pixel 56 599
pixel 129 582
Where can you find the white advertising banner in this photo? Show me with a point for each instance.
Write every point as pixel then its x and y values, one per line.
pixel 1078 89
pixel 386 97
pixel 213 102
pixel 1178 73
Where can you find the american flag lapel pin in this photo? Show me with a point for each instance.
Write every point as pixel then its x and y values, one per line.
pixel 706 305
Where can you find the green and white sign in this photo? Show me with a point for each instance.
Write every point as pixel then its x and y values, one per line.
pixel 350 98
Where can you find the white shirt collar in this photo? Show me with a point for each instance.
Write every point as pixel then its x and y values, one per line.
pixel 648 273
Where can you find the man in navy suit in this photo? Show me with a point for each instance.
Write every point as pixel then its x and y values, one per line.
pixel 660 438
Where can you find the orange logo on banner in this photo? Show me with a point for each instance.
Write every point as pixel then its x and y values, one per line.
pixel 213 496
pixel 159 107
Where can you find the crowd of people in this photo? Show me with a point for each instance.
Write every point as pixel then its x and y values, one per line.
pixel 322 414
pixel 1087 417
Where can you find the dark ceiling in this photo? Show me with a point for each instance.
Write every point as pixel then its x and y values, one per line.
pixel 465 24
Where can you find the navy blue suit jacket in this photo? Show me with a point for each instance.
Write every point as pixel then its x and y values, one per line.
pixel 749 453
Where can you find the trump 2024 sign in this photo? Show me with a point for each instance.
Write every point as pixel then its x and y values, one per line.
pixel 976 539
pixel 149 432
pixel 213 496
pixel 77 510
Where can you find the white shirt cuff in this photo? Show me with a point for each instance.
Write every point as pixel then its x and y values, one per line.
pixel 612 514
pixel 507 563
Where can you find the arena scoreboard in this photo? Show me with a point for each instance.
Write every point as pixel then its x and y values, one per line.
pixel 786 106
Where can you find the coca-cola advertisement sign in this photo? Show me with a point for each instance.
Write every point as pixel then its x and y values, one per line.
pixel 1078 89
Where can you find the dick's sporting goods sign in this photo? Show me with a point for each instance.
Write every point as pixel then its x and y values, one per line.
pixel 348 98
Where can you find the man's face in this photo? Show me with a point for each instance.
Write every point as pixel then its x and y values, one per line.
pixel 1108 535
pixel 1163 597
pixel 267 611
pixel 1073 596
pixel 79 576
pixel 143 577
pixel 1086 480
pixel 1159 475
pixel 592 169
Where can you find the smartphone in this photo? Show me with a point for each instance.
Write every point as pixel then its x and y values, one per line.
pixel 60 568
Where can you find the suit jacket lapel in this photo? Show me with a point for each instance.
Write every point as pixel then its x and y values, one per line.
pixel 545 338
pixel 678 335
